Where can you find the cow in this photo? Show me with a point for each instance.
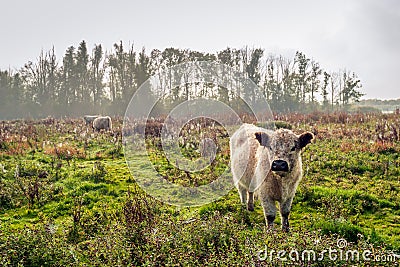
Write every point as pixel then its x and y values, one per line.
pixel 88 119
pixel 102 123
pixel 269 162
pixel 208 149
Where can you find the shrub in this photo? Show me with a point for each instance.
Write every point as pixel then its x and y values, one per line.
pixel 345 229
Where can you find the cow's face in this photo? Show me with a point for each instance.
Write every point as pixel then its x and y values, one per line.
pixel 285 148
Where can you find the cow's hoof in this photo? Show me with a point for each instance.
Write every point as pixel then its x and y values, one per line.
pixel 250 207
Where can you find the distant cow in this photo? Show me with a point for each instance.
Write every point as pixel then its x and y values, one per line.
pixel 208 149
pixel 271 163
pixel 102 123
pixel 88 119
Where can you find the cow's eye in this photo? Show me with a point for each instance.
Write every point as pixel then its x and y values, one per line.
pixel 293 148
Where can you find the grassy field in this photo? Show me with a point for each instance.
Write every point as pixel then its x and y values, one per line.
pixel 67 198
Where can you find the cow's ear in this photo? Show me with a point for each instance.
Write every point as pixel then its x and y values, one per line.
pixel 305 139
pixel 263 138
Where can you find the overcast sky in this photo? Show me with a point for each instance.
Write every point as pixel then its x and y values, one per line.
pixel 362 35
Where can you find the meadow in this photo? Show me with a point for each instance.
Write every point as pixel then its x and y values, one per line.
pixel 67 198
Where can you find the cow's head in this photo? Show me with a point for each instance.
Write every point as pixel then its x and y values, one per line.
pixel 285 148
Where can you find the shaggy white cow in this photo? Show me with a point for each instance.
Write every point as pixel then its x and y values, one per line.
pixel 88 119
pixel 271 163
pixel 102 123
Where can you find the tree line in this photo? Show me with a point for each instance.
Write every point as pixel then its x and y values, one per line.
pixel 100 81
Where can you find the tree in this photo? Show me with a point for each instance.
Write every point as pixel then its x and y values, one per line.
pixel 302 76
pixel 143 68
pixel 157 66
pixel 11 95
pixel 171 57
pixel 314 79
pixel 100 81
pixel 132 80
pixel 41 82
pixel 5 87
pixel 286 68
pixel 117 64
pixel 251 67
pixel 230 58
pixel 324 91
pixel 271 88
pixel 68 83
pixel 53 76
pixel 350 91
pixel 335 82
pixel 82 74
pixel 96 73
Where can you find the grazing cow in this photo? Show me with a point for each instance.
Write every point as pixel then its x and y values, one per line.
pixel 89 119
pixel 102 123
pixel 271 163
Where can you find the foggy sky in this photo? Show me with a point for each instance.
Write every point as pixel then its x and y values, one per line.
pixel 362 35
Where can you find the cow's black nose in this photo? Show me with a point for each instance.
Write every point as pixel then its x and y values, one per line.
pixel 280 166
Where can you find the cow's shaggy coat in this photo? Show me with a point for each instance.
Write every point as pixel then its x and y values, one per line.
pixel 88 119
pixel 269 161
pixel 102 123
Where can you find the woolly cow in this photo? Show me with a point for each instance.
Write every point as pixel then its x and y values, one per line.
pixel 102 123
pixel 88 119
pixel 269 161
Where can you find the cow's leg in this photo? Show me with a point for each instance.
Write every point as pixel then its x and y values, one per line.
pixel 285 211
pixel 269 211
pixel 243 194
pixel 250 201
